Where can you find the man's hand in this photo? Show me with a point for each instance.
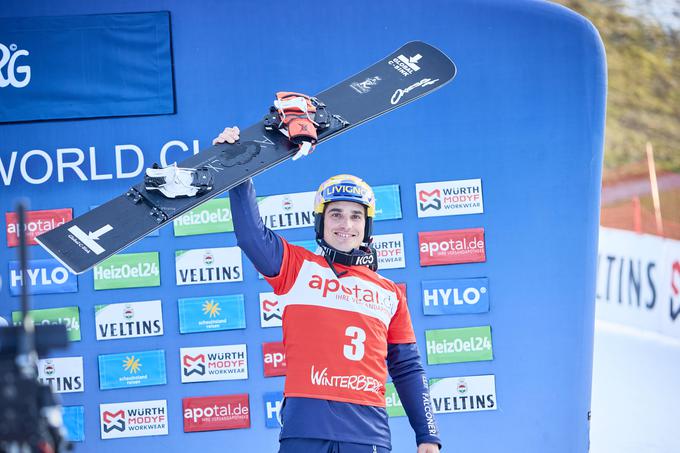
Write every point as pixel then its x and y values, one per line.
pixel 228 135
pixel 428 448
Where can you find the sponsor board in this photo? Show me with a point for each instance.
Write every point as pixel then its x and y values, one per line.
pixel 133 419
pixel 393 402
pixel 291 210
pixel 455 296
pixel 128 270
pixel 214 413
pixel 463 394
pixel 132 369
pixel 444 198
pixel 128 320
pixel 68 316
pixel 37 223
pixel 387 202
pixel 271 310
pixel 452 246
pixel 63 374
pixel 73 417
pixel 212 216
pixel 274 357
pixel 206 314
pixel 214 363
pixel 390 250
pixel 45 276
pixel 216 265
pixel 273 401
pixel 467 344
pixel 638 281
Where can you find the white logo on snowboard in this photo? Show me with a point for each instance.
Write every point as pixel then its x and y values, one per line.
pixel 89 239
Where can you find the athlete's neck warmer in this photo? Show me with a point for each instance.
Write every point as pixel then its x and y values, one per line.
pixel 365 255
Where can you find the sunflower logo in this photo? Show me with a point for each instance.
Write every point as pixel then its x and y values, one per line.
pixel 212 308
pixel 132 364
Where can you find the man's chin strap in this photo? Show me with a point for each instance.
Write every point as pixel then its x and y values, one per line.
pixel 363 256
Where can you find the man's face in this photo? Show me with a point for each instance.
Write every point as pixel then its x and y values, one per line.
pixel 343 225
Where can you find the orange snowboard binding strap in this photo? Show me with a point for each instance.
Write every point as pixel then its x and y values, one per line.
pixel 298 117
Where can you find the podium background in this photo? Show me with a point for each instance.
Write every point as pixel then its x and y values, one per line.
pixel 525 114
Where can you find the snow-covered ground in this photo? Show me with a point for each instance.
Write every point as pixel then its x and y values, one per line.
pixel 636 391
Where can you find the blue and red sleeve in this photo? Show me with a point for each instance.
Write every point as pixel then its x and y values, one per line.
pixel 408 377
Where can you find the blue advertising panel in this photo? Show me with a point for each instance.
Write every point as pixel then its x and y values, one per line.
pixel 205 314
pixel 273 401
pixel 455 296
pixel 132 369
pixel 45 276
pixel 85 66
pixel 74 422
pixel 387 202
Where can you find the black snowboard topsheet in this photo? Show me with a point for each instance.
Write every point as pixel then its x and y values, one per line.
pixel 407 74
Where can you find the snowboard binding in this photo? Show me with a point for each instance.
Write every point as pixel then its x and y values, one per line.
pixel 299 117
pixel 173 181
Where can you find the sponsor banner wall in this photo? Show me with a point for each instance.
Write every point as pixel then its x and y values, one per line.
pixel 467 344
pixel 444 198
pixel 455 296
pixel 390 250
pixel 452 246
pixel 37 223
pixel 132 369
pixel 214 363
pixel 68 316
pixel 279 212
pixel 213 413
pixel 273 401
pixel 638 281
pixel 63 374
pixel 274 357
pixel 463 394
pixel 271 310
pixel 205 314
pixel 74 422
pixel 128 320
pixel 45 276
pixel 393 402
pixel 216 265
pixel 128 270
pixel 133 419
pixel 213 216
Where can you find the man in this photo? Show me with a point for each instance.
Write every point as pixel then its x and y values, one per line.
pixel 341 321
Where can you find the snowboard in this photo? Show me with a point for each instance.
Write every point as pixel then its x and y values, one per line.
pixel 405 75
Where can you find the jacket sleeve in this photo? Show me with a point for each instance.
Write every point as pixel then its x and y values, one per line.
pixel 408 376
pixel 260 244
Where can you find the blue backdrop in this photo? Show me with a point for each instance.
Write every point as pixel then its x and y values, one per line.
pixel 525 114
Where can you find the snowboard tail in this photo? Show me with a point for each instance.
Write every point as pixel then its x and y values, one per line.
pixel 414 70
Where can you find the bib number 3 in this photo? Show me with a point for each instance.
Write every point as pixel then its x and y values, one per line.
pixel 355 350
